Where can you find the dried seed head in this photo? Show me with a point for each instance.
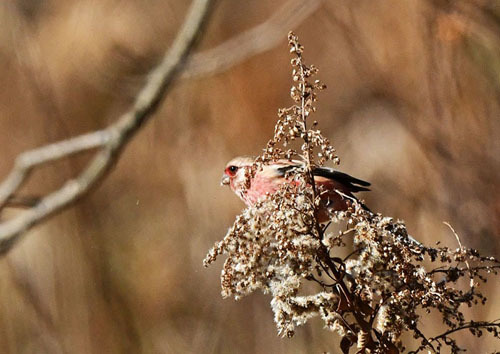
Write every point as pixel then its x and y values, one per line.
pixel 277 245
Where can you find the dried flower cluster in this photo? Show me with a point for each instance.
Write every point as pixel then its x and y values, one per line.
pixel 371 297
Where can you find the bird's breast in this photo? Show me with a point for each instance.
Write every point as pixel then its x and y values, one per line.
pixel 260 187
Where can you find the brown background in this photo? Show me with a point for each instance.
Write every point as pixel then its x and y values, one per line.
pixel 412 105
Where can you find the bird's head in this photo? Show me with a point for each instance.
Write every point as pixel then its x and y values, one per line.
pixel 234 172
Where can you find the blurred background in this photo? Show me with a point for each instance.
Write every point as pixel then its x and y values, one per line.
pixel 412 105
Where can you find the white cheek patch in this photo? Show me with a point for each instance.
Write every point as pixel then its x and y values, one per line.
pixel 240 178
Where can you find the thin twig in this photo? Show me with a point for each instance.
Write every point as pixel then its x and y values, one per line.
pixel 471 324
pixel 111 140
pixel 461 248
pixel 426 341
pixel 447 270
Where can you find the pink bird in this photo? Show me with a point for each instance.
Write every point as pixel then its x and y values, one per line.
pixel 269 179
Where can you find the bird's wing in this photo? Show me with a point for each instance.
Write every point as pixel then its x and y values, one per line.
pixel 283 166
pixel 352 183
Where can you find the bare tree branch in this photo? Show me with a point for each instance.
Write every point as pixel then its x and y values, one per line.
pixel 26 161
pixel 110 140
pixel 256 40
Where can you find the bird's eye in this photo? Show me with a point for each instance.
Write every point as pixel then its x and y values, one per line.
pixel 231 170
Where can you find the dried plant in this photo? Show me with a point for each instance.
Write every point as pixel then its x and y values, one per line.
pixel 376 293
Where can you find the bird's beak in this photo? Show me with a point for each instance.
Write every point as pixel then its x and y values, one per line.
pixel 225 180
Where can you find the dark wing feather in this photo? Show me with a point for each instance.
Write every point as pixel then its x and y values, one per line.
pixel 354 184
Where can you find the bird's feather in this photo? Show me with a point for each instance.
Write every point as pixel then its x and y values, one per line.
pixel 353 183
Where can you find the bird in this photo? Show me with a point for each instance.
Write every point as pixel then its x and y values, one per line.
pixel 337 188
